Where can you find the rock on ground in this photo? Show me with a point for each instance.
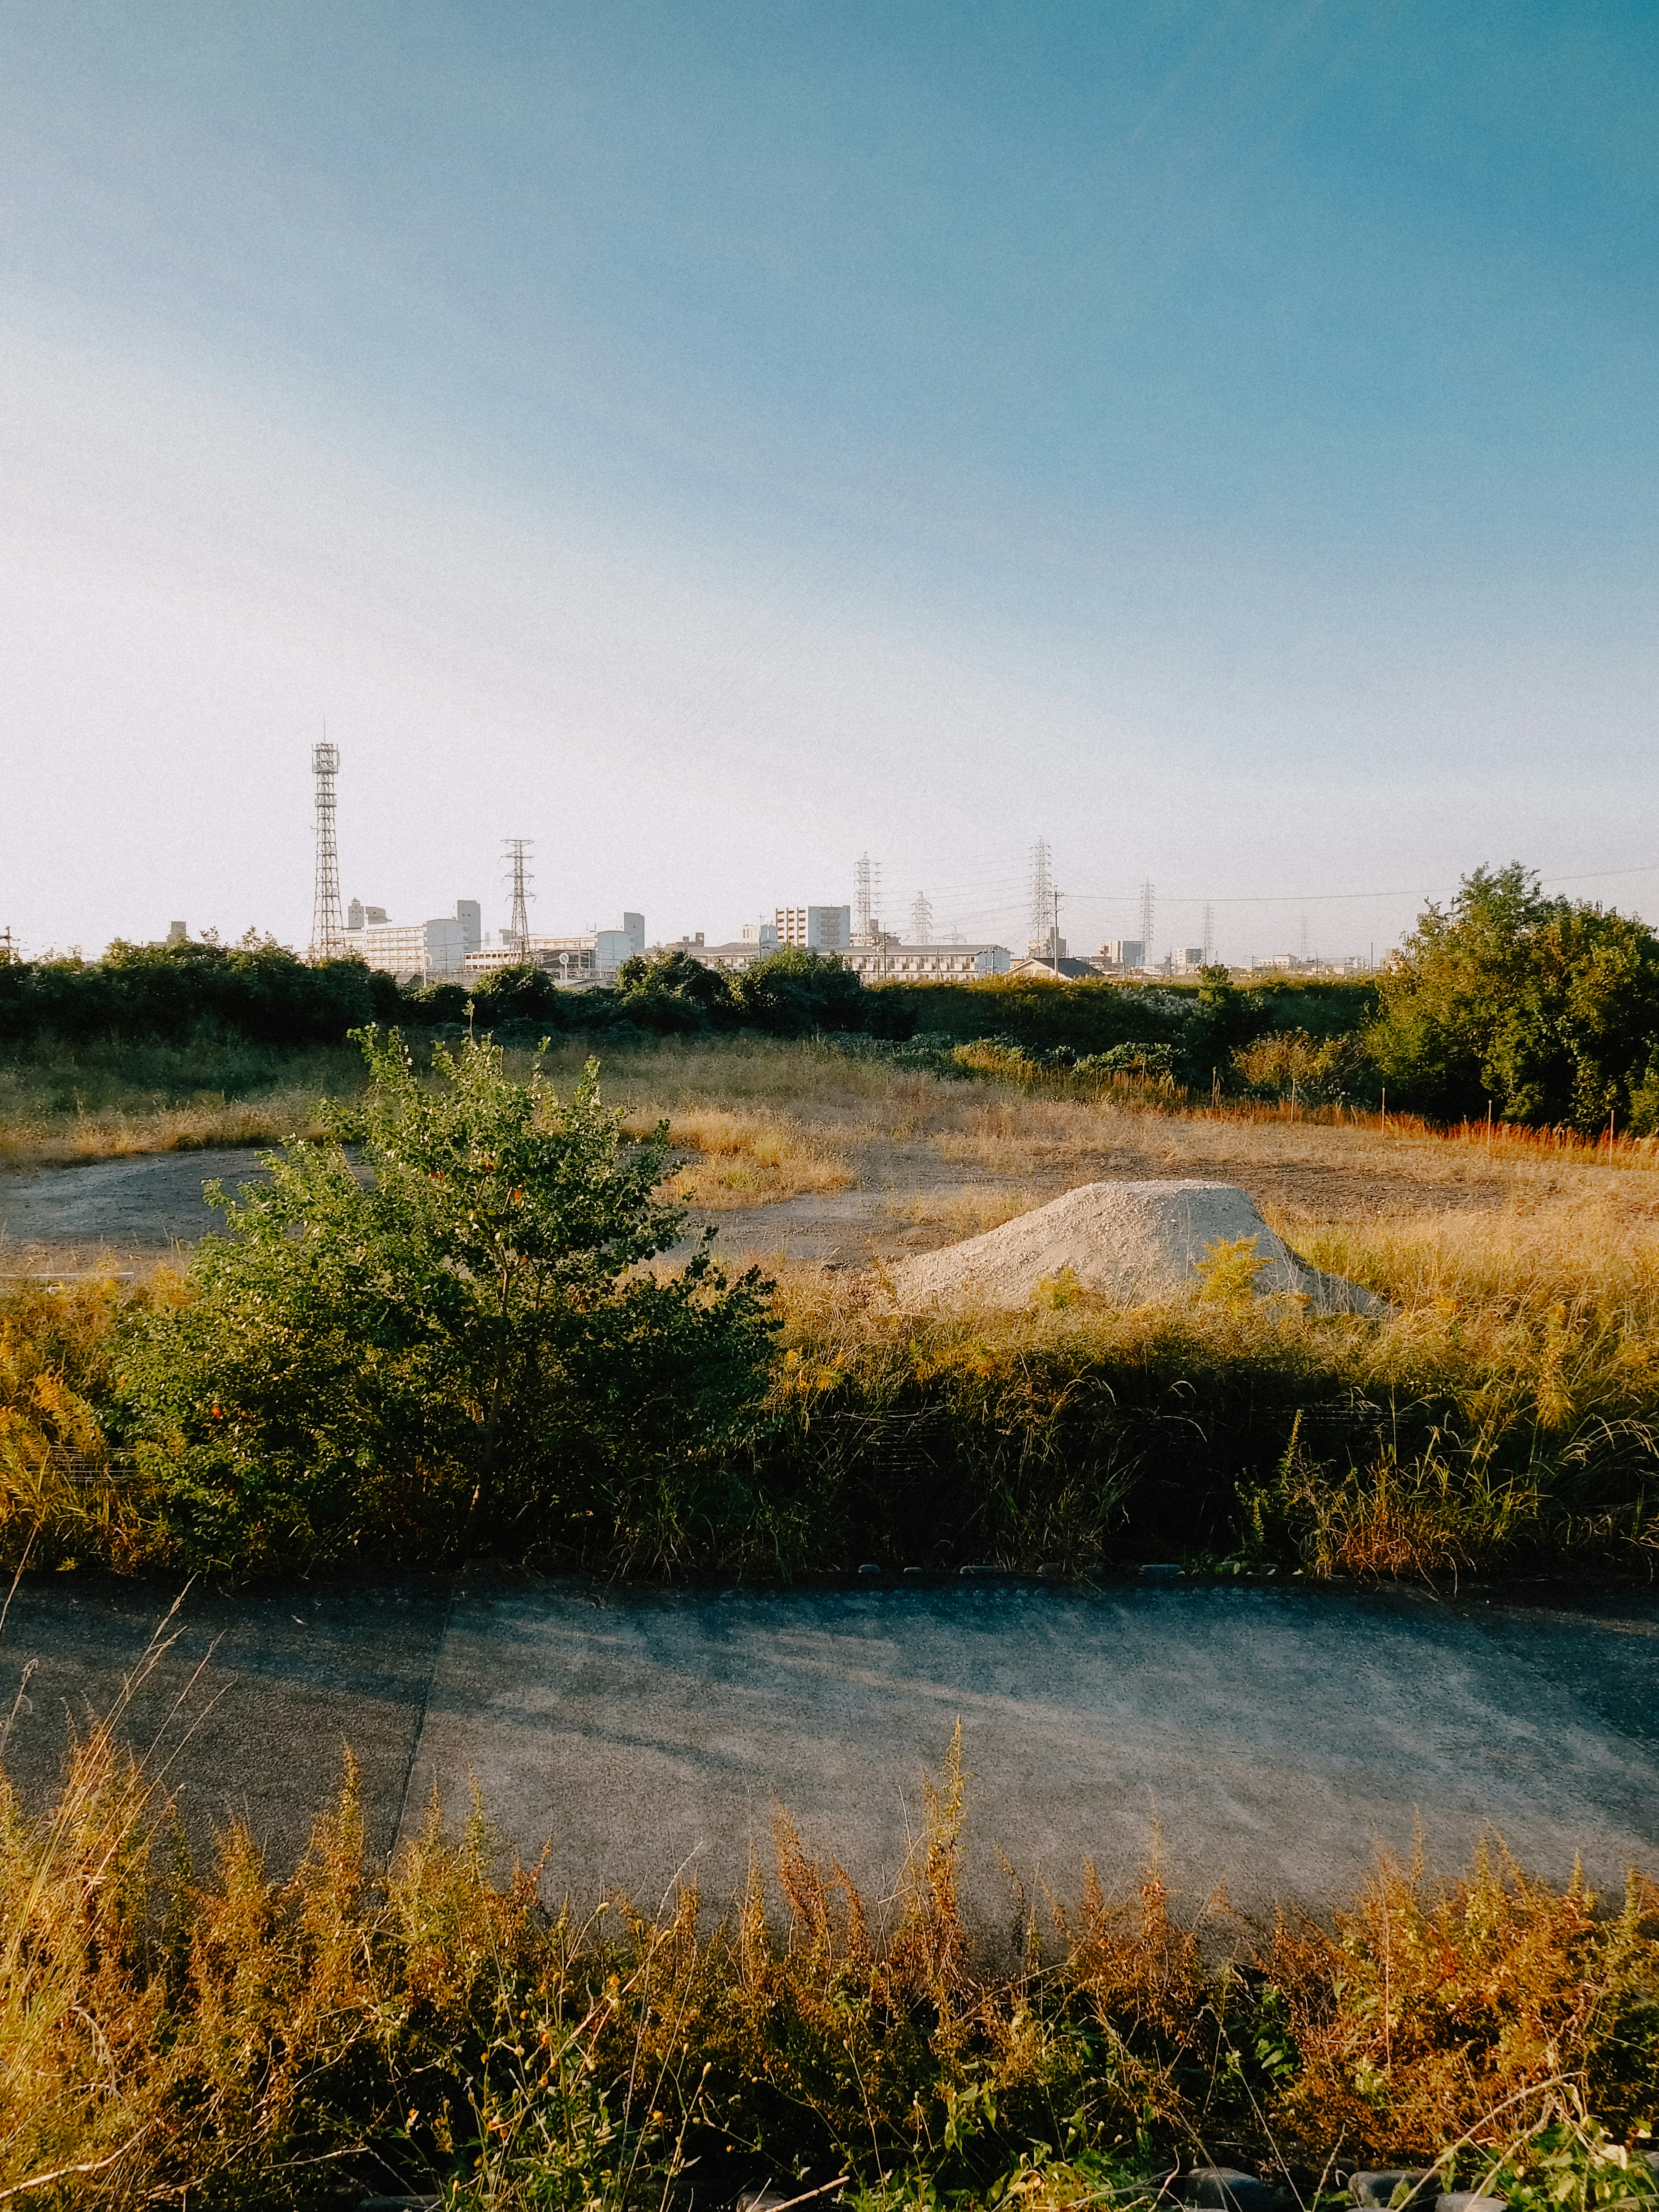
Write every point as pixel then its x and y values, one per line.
pixel 1134 1241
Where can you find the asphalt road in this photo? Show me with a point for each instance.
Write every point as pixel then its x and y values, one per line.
pixel 1273 1737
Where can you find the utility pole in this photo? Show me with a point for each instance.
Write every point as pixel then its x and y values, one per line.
pixel 1054 940
pixel 327 920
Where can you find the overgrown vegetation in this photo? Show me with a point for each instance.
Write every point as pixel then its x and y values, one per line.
pixel 307 1396
pixel 441 1341
pixel 1537 1013
pixel 239 2040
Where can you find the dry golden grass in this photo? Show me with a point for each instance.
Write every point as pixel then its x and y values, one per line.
pixel 41 1142
pixel 968 1211
pixel 745 1158
pixel 241 2038
pixel 60 1106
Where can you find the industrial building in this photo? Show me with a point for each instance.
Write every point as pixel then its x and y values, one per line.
pixel 591 956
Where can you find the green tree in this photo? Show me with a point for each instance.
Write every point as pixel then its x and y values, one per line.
pixel 521 992
pixel 670 991
pixel 1549 1007
pixel 792 992
pixel 442 1339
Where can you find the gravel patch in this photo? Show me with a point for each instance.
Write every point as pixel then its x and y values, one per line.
pixel 1131 1242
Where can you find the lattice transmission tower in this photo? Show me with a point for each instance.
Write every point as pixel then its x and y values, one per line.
pixel 327 919
pixel 866 895
pixel 1042 889
pixel 1209 935
pixel 519 877
pixel 921 920
pixel 1148 915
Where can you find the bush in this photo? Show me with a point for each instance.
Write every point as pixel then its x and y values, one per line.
pixel 1319 1072
pixel 444 1343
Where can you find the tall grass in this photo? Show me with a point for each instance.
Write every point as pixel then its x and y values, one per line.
pixel 61 1103
pixel 1504 1415
pixel 240 2038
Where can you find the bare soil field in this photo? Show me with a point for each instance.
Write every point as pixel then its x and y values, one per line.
pixel 799 1154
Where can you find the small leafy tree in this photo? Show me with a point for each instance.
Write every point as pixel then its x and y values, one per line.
pixel 1548 1006
pixel 442 1339
pixel 671 992
pixel 792 992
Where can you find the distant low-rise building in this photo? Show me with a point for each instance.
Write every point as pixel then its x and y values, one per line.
pixel 414 952
pixel 1064 969
pixel 588 957
pixel 1122 954
pixel 890 961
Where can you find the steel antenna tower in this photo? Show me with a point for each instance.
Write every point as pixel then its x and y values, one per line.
pixel 519 850
pixel 1148 915
pixel 921 920
pixel 327 921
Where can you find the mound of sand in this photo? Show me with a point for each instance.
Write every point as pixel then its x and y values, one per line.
pixel 1132 1241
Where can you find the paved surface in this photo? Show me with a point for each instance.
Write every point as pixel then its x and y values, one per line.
pixel 1275 1736
pixel 139 1207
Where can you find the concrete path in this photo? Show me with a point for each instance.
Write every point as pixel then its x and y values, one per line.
pixel 1274 1736
pixel 139 1207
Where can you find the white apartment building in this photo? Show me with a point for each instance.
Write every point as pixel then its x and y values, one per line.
pixel 1126 953
pixel 814 928
pixel 890 961
pixel 414 952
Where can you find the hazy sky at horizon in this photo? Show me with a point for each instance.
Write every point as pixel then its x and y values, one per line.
pixel 715 441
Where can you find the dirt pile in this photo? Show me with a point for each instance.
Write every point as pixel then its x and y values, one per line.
pixel 1132 1241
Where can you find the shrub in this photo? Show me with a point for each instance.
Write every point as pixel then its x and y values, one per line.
pixel 1292 1064
pixel 444 1342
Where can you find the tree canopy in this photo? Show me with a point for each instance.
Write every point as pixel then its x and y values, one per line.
pixel 1547 1007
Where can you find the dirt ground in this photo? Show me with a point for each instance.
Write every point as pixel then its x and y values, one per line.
pixel 920 1164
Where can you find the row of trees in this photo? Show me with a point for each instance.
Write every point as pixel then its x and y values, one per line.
pixel 1542 1010
pixel 259 992
pixel 1546 1010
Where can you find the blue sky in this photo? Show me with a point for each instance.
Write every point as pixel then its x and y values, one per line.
pixel 715 440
